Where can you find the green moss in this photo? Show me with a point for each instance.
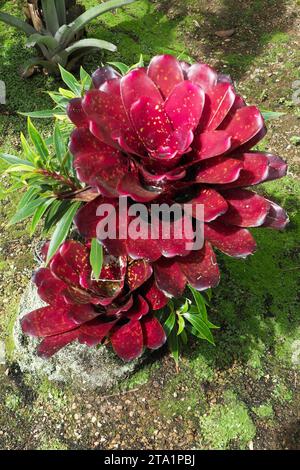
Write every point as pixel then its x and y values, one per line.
pixel 12 401
pixel 138 379
pixel 264 411
pixel 52 444
pixel 281 393
pixel 227 424
pixel 183 396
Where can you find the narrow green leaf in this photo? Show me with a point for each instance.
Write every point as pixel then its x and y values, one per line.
pixel 59 143
pixel 17 23
pixel 38 141
pixel 170 322
pixel 123 68
pixel 62 230
pixel 268 115
pixel 199 326
pixel 181 324
pixel 70 81
pixel 13 160
pixel 89 15
pixel 68 94
pixel 184 337
pixel 44 114
pixel 86 80
pixel 96 258
pixel 40 211
pixel 19 168
pixel 199 302
pixel 30 194
pixel 26 211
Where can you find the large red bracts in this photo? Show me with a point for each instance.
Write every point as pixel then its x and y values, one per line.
pixel 174 132
pixel 119 308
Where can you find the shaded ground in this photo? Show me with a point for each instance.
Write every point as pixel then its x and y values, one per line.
pixel 244 393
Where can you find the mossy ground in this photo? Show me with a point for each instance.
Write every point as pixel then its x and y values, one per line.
pixel 244 392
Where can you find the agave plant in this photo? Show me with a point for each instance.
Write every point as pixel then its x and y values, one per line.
pixel 55 30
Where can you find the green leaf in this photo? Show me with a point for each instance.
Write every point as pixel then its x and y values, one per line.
pixel 268 115
pixel 181 324
pixel 86 80
pixel 93 43
pixel 19 168
pixel 44 114
pixel 27 197
pixel 96 258
pixel 50 16
pixel 61 11
pixel 200 303
pixel 62 230
pixel 38 39
pixel 89 15
pixel 70 81
pixel 38 141
pixel 40 211
pixel 184 337
pixel 170 322
pixel 27 150
pixel 123 68
pixel 12 160
pixel 200 326
pixel 17 23
pixel 174 346
pixel 59 144
pixel 26 211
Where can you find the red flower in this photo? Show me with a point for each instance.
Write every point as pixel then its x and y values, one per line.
pixel 171 132
pixel 117 309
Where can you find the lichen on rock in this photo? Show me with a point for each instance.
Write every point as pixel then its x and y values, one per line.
pixel 76 364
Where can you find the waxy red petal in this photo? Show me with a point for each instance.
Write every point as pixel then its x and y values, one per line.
pixel 154 334
pixel 233 241
pixel 127 341
pixel 245 208
pixel 154 296
pixel 50 289
pixel 214 204
pixel 169 277
pixel 131 186
pixel 218 102
pixel 184 106
pixel 151 123
pixel 139 309
pixel 201 268
pixel 136 84
pixel 48 321
pixel 138 272
pixel 246 123
pixel 52 344
pixel 103 74
pixel 277 217
pixel 166 73
pixel 211 144
pixel 202 75
pixel 94 332
pixel 82 313
pixel 86 219
pixel 76 113
pixel 219 170
pixel 76 255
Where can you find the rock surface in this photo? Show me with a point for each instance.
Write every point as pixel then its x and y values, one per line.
pixel 76 364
